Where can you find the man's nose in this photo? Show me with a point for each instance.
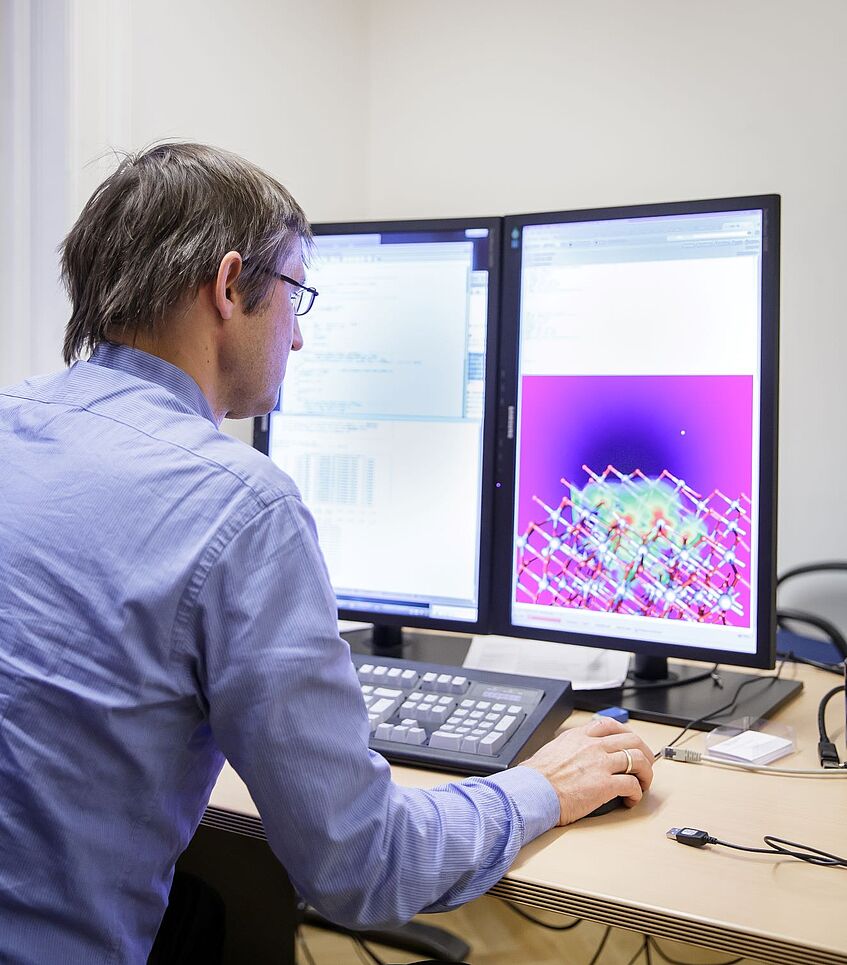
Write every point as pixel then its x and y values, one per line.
pixel 297 338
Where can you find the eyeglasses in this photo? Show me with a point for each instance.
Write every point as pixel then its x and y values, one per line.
pixel 302 298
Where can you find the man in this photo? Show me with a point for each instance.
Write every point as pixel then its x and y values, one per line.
pixel 164 603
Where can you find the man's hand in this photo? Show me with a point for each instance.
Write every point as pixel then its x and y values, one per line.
pixel 586 767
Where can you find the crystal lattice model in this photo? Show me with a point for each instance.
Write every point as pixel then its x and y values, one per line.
pixel 626 543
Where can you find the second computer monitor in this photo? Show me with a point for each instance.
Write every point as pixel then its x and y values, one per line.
pixel 386 417
pixel 640 365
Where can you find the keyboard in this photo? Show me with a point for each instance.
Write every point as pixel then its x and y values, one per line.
pixel 474 722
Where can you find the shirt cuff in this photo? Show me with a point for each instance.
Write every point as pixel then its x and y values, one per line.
pixel 533 797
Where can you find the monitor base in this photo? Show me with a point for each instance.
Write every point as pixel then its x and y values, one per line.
pixel 684 701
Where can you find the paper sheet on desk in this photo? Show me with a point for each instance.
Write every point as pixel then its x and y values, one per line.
pixel 585 667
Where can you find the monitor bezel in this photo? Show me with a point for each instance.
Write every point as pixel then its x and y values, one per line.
pixel 765 652
pixel 261 425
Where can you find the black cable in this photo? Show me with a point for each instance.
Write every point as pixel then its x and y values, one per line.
pixel 304 947
pixel 677 961
pixel 536 921
pixel 643 949
pixel 836 637
pixel 771 678
pixel 822 710
pixel 778 846
pixel 603 941
pixel 827 751
pixel 359 943
pixel 792 657
pixel 665 684
pixel 827 566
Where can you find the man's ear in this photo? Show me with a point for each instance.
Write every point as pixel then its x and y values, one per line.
pixel 224 294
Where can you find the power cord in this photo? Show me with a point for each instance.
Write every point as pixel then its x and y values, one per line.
pixel 596 957
pixel 720 710
pixel 667 684
pixel 696 838
pixel 791 657
pixel 836 637
pixel 304 948
pixel 644 949
pixel 800 616
pixel 676 961
pixel 360 947
pixel 537 921
pixel 825 566
pixel 827 753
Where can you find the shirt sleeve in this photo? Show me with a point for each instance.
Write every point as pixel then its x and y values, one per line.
pixel 286 709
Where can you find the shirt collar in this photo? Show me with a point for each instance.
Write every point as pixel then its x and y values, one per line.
pixel 151 368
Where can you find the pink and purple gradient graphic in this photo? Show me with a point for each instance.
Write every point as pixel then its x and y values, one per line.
pixel 635 495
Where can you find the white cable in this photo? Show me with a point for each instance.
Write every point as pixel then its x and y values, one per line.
pixel 687 756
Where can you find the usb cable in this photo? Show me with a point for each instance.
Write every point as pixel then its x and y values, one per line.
pixel 695 838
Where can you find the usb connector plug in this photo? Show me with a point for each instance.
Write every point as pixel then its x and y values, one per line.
pixel 691 836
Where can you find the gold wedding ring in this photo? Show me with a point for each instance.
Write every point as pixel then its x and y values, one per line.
pixel 628 761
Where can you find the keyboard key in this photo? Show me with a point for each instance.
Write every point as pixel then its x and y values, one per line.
pixel 388 692
pixel 383 732
pixel 416 735
pixel 446 741
pixel 515 709
pixel 491 743
pixel 508 725
pixel 458 685
pixel 499 708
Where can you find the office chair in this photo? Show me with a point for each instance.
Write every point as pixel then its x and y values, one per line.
pixel 440 944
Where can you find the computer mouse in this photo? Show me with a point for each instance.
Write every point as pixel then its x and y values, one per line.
pixel 616 802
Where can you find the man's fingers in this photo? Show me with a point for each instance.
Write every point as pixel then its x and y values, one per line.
pixel 604 726
pixel 628 739
pixel 628 787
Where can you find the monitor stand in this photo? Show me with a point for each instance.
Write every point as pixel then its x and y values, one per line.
pixel 384 640
pixel 646 695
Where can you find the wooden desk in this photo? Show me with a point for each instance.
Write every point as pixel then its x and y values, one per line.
pixel 621 870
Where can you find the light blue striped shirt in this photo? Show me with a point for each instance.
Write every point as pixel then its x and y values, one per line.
pixel 163 603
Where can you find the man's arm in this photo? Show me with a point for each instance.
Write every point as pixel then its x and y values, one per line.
pixel 286 709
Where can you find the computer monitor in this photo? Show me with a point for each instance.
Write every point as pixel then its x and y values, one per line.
pixel 637 506
pixel 386 418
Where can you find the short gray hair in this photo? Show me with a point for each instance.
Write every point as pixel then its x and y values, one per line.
pixel 157 229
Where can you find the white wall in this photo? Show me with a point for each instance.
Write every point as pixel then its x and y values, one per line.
pixel 492 107
pixel 33 185
pixel 284 84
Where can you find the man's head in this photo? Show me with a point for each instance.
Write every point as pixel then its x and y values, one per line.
pixel 184 230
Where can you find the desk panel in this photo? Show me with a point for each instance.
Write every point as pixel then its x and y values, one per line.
pixel 621 870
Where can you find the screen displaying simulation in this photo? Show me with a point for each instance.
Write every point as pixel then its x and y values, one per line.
pixel 637 429
pixel 381 421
